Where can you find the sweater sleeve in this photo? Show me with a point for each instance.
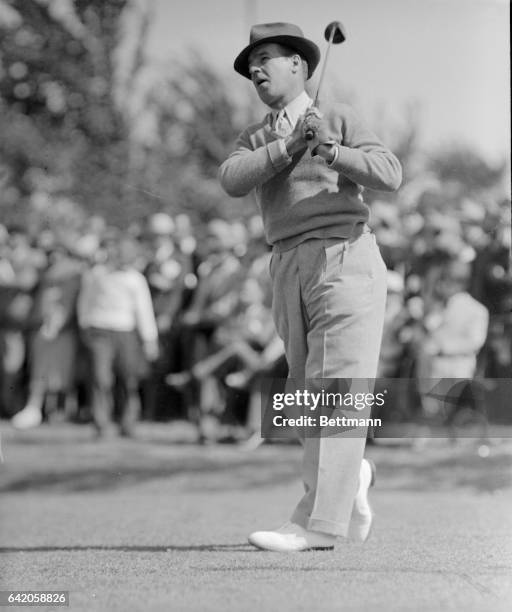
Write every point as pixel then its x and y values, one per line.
pixel 144 313
pixel 247 167
pixel 363 158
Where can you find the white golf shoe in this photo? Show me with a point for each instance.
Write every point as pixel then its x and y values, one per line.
pixel 362 515
pixel 292 538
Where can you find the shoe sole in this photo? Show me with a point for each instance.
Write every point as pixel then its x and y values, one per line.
pixel 373 479
pixel 312 548
pixel 373 469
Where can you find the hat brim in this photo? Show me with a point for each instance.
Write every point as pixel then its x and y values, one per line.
pixel 303 46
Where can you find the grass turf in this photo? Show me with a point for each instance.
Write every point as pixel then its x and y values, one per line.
pixel 161 524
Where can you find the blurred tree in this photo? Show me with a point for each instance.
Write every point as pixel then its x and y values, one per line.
pixel 197 117
pixel 61 129
pixel 468 169
pixel 78 120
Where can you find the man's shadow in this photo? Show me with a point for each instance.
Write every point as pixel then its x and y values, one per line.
pixel 239 547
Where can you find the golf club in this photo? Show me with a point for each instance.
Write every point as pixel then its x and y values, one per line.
pixel 334 35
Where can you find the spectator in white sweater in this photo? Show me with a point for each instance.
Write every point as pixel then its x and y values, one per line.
pixel 119 328
pixel 455 330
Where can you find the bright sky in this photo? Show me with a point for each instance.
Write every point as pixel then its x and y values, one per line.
pixel 450 55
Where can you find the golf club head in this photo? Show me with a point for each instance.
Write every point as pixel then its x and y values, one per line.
pixel 339 32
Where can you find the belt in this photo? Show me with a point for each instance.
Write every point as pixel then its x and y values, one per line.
pixel 358 230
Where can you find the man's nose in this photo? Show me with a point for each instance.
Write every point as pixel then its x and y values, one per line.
pixel 253 70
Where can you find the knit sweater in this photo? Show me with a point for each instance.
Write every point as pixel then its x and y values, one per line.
pixel 301 196
pixel 117 300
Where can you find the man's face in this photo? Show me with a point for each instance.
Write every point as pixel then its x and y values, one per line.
pixel 274 72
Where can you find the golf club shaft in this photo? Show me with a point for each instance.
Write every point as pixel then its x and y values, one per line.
pixel 309 133
pixel 322 74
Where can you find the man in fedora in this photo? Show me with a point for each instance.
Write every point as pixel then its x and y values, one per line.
pixel 329 280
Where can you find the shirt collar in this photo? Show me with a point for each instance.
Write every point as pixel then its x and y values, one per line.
pixel 295 108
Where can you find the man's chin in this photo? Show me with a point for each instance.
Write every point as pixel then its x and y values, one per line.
pixel 265 96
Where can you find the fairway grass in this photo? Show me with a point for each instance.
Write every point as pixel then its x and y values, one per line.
pixel 161 524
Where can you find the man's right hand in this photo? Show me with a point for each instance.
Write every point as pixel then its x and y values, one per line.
pixel 296 142
pixel 151 349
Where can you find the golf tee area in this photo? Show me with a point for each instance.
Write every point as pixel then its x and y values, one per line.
pixel 159 523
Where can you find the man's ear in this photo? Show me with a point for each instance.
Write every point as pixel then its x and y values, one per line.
pixel 296 61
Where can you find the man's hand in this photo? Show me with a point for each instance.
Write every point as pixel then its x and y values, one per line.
pixel 296 141
pixel 322 141
pixel 151 350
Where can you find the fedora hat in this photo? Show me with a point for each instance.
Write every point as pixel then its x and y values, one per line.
pixel 285 34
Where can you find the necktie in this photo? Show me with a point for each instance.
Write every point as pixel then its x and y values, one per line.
pixel 283 126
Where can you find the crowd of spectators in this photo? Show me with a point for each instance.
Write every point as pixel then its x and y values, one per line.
pixel 95 322
pixel 172 319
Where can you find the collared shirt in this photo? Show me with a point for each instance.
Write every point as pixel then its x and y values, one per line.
pixel 294 109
